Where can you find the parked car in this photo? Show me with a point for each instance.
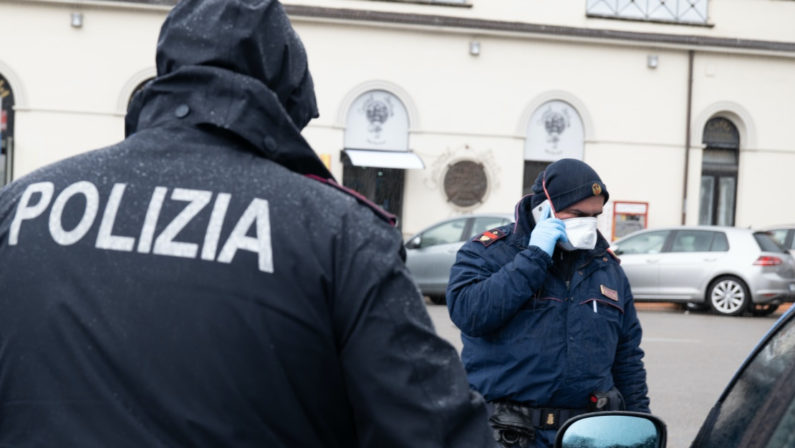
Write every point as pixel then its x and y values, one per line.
pixel 431 253
pixel 783 235
pixel 757 408
pixel 731 270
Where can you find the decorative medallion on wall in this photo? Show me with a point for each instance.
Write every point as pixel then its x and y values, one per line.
pixel 555 131
pixel 465 177
pixel 465 183
pixel 377 120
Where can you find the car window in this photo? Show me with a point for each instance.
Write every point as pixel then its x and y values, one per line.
pixel 645 243
pixel 445 233
pixel 692 241
pixel 719 243
pixel 766 243
pixel 758 407
pixel 779 236
pixel 483 223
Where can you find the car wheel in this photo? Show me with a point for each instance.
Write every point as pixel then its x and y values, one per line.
pixel 728 296
pixel 763 309
pixel 437 299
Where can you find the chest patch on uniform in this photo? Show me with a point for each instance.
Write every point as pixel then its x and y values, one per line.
pixel 490 236
pixel 611 294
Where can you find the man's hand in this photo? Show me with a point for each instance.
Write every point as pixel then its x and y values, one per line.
pixel 547 232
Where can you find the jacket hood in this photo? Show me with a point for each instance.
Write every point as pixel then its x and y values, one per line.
pixel 237 66
pixel 248 37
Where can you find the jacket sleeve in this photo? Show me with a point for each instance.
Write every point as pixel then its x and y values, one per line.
pixel 406 385
pixel 629 374
pixel 483 293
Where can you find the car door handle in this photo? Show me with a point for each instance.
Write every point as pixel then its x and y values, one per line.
pixel 710 259
pixel 652 260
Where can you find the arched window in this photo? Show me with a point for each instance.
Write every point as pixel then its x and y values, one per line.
pixel 377 120
pixel 719 168
pixel 376 152
pixel 555 131
pixel 6 131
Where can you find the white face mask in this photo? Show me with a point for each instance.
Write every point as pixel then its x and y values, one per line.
pixel 581 233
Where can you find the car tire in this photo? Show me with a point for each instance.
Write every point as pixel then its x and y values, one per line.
pixel 728 295
pixel 438 299
pixel 763 309
pixel 695 307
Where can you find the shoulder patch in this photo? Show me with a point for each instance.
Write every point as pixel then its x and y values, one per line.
pixel 383 214
pixel 490 236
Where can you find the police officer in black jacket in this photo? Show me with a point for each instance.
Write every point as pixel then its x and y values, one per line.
pixel 196 285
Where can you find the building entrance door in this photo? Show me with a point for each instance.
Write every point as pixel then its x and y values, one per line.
pixel 719 173
pixel 383 186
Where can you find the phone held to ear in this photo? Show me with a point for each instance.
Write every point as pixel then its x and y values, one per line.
pixel 538 211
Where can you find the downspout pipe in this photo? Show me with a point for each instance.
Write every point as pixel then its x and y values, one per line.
pixel 688 114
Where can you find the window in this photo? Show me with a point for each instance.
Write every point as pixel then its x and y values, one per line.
pixel 700 241
pixel 780 236
pixel 758 409
pixel 481 224
pixel 555 131
pixel 446 233
pixel 377 121
pixel 441 2
pixel 767 244
pixel 719 169
pixel 677 11
pixel 645 243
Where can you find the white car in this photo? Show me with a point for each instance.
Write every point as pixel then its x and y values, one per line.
pixel 730 269
pixel 431 253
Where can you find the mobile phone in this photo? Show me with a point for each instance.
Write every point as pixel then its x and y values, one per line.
pixel 538 210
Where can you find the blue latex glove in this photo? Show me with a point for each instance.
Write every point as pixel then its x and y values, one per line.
pixel 547 232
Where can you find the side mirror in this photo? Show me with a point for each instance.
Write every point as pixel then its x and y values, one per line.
pixel 613 429
pixel 414 243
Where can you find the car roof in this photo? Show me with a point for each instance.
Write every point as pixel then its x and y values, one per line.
pixel 466 215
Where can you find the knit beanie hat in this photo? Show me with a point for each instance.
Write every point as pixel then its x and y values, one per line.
pixel 568 181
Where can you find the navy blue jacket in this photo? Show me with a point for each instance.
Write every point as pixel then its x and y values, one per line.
pixel 530 335
pixel 191 286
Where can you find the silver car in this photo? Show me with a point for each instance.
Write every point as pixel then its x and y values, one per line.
pixel 729 269
pixel 431 253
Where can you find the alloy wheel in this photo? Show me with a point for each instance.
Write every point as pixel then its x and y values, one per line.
pixel 728 296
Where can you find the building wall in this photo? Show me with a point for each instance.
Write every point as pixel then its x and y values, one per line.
pixel 72 84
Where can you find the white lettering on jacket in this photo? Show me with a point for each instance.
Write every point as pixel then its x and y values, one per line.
pixel 256 215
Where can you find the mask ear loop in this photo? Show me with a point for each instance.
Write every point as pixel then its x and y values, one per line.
pixel 546 193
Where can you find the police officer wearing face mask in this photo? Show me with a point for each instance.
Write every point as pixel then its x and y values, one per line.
pixel 547 318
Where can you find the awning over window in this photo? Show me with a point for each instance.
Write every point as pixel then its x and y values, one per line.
pixel 406 160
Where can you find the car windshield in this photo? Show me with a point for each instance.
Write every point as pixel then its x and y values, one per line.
pixel 767 243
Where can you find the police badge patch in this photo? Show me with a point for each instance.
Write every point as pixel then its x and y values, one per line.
pixel 611 294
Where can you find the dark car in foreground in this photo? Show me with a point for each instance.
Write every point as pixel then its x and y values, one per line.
pixel 729 269
pixel 431 252
pixel 757 408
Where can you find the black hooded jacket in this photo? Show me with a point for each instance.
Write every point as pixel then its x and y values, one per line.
pixel 192 286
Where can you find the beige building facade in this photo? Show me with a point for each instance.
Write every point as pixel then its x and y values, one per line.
pixel 440 108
